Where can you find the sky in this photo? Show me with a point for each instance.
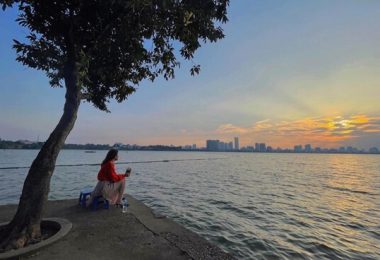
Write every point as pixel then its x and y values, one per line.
pixel 286 73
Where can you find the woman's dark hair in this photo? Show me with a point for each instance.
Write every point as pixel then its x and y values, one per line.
pixel 110 155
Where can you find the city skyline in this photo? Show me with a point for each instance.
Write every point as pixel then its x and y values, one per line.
pixel 210 145
pixel 286 73
pixel 217 145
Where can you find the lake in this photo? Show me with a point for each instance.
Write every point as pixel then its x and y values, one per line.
pixel 252 205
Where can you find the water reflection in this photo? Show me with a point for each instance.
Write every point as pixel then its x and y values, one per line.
pixel 347 185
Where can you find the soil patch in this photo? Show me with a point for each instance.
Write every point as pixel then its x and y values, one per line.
pixel 49 229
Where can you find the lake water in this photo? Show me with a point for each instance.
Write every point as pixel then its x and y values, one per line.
pixel 252 205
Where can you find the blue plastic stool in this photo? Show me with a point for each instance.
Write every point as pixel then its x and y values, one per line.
pixel 86 192
pixel 99 199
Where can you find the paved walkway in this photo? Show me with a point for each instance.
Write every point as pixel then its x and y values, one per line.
pixel 109 234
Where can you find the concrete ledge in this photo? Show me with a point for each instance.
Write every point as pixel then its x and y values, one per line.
pixel 194 245
pixel 111 234
pixel 63 226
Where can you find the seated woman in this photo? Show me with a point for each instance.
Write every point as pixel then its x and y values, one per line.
pixel 111 185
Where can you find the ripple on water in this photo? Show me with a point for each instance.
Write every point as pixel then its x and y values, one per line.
pixel 348 190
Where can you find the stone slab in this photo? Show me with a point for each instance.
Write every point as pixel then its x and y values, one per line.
pixel 110 234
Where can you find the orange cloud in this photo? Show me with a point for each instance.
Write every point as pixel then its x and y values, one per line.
pixel 231 129
pixel 320 131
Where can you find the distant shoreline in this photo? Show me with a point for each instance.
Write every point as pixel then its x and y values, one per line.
pixel 29 145
pixel 195 150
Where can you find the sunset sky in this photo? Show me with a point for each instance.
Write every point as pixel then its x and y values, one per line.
pixel 287 72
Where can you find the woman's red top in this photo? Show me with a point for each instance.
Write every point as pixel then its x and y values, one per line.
pixel 108 173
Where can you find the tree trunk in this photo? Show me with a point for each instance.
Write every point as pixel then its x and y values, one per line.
pixel 25 225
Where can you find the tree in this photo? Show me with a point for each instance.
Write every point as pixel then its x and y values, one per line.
pixel 99 50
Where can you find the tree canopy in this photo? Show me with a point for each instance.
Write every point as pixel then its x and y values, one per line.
pixel 98 50
pixel 115 44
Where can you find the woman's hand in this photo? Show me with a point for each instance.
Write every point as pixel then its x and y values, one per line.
pixel 128 172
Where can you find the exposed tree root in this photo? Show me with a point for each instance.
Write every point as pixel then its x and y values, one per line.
pixel 16 237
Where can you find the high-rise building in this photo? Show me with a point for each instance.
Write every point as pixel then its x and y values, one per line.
pixel 263 147
pixel 298 148
pixel 212 145
pixel 236 139
pixel 308 148
pixel 257 147
pixel 222 146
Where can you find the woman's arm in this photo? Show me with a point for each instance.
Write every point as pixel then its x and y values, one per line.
pixel 113 174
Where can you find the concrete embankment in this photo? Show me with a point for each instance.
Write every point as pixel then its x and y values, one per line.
pixel 110 234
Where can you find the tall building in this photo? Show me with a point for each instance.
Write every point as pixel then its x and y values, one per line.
pixel 308 148
pixel 222 146
pixel 212 145
pixel 236 139
pixel 298 148
pixel 257 147
pixel 263 147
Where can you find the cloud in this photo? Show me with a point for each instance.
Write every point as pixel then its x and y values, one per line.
pixel 320 131
pixel 231 129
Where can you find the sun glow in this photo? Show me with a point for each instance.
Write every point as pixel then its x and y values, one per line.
pixel 320 131
pixel 344 123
